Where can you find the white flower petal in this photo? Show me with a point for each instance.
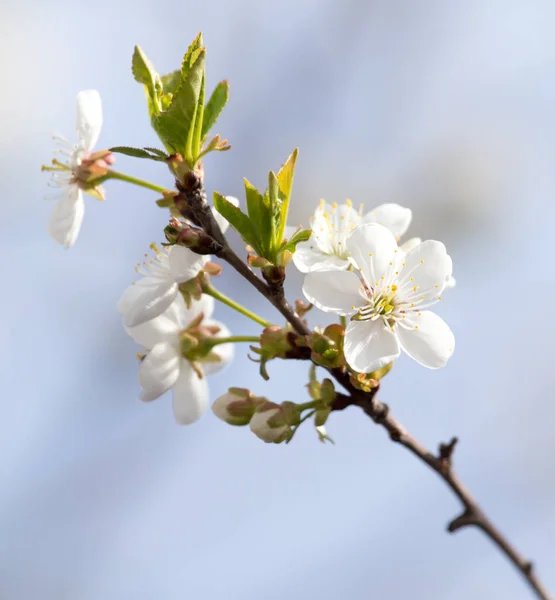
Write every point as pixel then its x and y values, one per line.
pixel 67 216
pixel 221 220
pixel 155 331
pixel 396 218
pixel 224 351
pixel 369 345
pixel 410 244
pixel 185 264
pixel 309 258
pixel 450 283
pixel 89 118
pixel 190 396
pixel 373 249
pixel 159 371
pixel 431 344
pixel 151 303
pixel 334 291
pixel 429 266
pixel 131 294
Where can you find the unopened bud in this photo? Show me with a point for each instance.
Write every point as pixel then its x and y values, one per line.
pixel 270 423
pixel 237 406
pixel 257 261
pixel 194 238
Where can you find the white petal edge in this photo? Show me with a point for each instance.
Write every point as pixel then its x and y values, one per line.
pixel 336 292
pixel 132 292
pixel 159 371
pixel 67 217
pixel 151 303
pixel 369 345
pixel 429 266
pixel 184 263
pixel 308 259
pixel 89 118
pixel 190 396
pixel 221 220
pixel 373 249
pixel 393 216
pixel 432 344
pixel 410 244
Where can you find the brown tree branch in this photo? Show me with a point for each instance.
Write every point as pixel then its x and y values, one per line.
pixel 192 204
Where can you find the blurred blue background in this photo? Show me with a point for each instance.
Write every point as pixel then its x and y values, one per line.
pixel 445 107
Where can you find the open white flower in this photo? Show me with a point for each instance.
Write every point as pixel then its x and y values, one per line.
pixel 331 226
pixel 386 299
pixel 149 297
pixel 166 367
pixel 153 294
pixel 67 216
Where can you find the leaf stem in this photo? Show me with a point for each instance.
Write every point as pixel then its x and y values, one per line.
pixel 210 290
pixel 136 181
pixel 232 339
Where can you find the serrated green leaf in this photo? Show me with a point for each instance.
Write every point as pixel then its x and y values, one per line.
pixel 145 73
pixel 285 177
pixel 214 106
pixel 171 81
pixel 301 235
pixel 174 124
pixel 260 216
pixel 237 219
pixel 191 55
pixel 199 117
pixel 275 208
pixel 140 153
pixel 158 152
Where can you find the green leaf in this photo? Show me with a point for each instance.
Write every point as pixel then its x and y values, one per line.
pixel 145 73
pixel 301 235
pixel 174 124
pixel 275 208
pixel 171 81
pixel 158 152
pixel 237 219
pixel 150 153
pixel 191 55
pixel 260 217
pixel 214 106
pixel 285 177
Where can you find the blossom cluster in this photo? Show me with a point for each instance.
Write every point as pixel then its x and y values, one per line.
pixel 353 268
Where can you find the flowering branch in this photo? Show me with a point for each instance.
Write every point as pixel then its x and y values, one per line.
pixel 193 206
pixel 355 269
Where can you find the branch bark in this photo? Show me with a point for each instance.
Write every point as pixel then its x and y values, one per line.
pixel 193 202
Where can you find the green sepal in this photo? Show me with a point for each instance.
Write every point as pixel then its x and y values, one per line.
pixel 237 219
pixel 150 153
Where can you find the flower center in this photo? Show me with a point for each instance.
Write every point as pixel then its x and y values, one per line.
pixel 331 228
pixel 383 305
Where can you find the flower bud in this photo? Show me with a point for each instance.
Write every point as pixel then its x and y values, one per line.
pixel 271 424
pixel 194 238
pixel 237 406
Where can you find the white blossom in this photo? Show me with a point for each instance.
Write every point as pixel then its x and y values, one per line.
pixel 154 293
pixel 165 367
pixel 386 298
pixel 67 216
pixel 332 224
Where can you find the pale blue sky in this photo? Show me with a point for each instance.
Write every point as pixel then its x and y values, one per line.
pixel 445 107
